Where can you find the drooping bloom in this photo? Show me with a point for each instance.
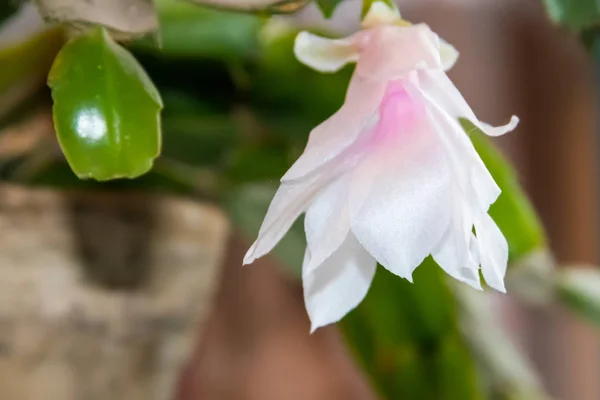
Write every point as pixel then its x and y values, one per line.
pixel 391 177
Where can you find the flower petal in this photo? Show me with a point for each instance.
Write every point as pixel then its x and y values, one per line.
pixel 378 64
pixel 336 134
pixel 437 85
pixel 398 194
pixel 339 284
pixel 458 257
pixel 389 52
pixel 493 251
pixel 471 174
pixel 325 55
pixel 291 200
pixel 457 254
pixel 327 222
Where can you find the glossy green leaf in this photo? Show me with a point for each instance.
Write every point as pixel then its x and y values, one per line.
pixel 574 14
pixel 513 212
pixel 328 6
pixel 106 109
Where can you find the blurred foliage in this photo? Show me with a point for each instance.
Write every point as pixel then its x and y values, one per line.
pixel 574 14
pixel 208 33
pixel 407 338
pixel 579 288
pixel 27 49
pixel 7 8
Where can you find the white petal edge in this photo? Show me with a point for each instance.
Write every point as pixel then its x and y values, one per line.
pixel 493 252
pixel 339 284
pixel 291 200
pixel 438 86
pixel 325 55
pixel 475 179
pixel 463 269
pixel 457 253
pixel 327 222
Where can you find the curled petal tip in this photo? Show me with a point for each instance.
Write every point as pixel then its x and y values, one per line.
pixel 324 55
pixel 500 130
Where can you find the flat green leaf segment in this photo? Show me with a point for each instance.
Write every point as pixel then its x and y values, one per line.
pixel 574 14
pixel 513 212
pixel 106 109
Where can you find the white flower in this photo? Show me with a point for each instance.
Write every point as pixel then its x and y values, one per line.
pixel 391 177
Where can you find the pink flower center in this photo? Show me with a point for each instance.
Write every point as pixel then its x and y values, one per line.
pixel 400 119
pixel 399 115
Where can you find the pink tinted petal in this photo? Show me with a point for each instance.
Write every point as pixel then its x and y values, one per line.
pixel 339 284
pixel 389 52
pixel 334 135
pixel 398 194
pixel 327 222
